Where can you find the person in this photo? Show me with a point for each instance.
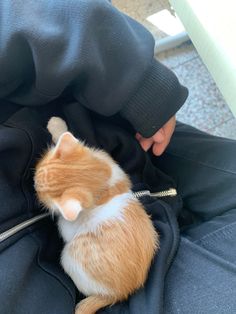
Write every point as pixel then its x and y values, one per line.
pixel 94 66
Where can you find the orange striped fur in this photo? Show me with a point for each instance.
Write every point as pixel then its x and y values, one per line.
pixel 109 239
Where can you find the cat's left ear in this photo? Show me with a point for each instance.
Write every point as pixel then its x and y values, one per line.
pixel 69 209
pixel 65 145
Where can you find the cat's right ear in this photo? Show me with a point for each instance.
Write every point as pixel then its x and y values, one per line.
pixel 65 145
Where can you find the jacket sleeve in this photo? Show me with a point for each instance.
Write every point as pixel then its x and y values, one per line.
pixel 91 50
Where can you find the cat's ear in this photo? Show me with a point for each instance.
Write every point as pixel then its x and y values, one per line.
pixel 65 145
pixel 69 209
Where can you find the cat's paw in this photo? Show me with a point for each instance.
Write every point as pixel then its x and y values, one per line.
pixel 56 127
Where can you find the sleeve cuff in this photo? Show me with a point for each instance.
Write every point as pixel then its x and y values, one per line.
pixel 158 98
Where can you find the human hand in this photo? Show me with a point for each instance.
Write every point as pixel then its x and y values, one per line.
pixel 160 139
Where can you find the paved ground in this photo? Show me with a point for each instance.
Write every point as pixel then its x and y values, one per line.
pixel 205 108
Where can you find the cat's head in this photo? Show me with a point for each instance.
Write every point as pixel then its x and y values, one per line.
pixel 70 176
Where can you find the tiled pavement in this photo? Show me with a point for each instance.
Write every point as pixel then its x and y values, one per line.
pixel 205 107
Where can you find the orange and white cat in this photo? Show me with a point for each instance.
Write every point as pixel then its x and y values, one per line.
pixel 109 239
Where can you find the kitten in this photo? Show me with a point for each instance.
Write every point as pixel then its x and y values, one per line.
pixel 109 239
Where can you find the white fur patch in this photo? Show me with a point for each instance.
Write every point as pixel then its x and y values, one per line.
pixel 82 280
pixel 117 174
pixel 67 229
pixel 90 220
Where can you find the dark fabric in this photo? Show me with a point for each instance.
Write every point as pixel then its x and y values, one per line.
pixel 202 278
pixel 147 109
pixel 195 276
pixel 30 273
pixel 90 50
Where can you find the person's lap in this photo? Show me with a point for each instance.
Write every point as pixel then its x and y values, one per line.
pixel 202 277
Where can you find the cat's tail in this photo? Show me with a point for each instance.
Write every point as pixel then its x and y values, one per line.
pixel 93 303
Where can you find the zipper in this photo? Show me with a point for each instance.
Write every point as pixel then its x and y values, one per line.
pixel 170 192
pixel 29 222
pixel 12 231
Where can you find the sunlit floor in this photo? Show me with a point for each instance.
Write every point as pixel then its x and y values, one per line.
pixel 205 107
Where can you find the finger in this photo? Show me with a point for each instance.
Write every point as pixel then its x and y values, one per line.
pixel 138 136
pixel 158 149
pixel 146 143
pixel 159 136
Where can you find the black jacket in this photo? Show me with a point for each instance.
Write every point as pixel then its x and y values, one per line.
pixel 93 66
pixel 86 48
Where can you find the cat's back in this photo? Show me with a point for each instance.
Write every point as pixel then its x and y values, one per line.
pixel 114 246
